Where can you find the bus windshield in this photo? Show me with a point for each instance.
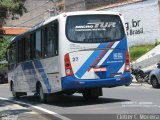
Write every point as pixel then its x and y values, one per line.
pixel 94 28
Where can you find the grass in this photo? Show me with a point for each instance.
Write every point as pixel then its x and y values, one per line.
pixel 138 51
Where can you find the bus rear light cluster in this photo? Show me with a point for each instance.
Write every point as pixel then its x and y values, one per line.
pixel 68 67
pixel 127 62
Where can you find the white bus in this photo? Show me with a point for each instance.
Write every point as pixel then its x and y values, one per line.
pixel 72 52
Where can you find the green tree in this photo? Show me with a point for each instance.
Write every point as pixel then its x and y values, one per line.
pixel 3 48
pixel 13 7
pixel 9 4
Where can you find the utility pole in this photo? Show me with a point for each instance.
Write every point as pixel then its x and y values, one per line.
pixel 55 8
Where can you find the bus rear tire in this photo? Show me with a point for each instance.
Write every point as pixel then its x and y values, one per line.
pixel 87 96
pixel 42 95
pixel 92 94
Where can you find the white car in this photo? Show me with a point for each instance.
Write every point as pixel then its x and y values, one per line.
pixel 154 77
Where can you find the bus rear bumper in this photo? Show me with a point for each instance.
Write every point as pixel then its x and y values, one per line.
pixel 72 82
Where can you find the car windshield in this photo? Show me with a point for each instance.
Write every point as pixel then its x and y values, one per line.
pixel 94 28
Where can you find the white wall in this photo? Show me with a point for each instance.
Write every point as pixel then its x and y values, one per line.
pixel 142 21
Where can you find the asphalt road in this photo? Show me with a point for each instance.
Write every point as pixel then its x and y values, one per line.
pixel 135 99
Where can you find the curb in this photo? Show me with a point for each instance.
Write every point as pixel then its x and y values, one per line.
pixel 6 84
pixel 13 111
pixel 37 108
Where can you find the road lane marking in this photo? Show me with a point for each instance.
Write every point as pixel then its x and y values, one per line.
pixel 38 108
pixel 128 87
pixel 4 85
pixel 135 85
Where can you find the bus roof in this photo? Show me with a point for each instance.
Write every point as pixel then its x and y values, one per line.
pixel 63 14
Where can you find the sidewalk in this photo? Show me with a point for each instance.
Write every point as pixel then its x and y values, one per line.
pixel 12 111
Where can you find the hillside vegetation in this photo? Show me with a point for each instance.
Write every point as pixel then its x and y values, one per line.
pixel 138 51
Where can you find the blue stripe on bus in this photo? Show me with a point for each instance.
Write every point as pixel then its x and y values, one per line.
pixel 110 66
pixel 90 60
pixel 28 67
pixel 105 51
pixel 118 65
pixel 41 71
pixel 123 44
pixel 69 82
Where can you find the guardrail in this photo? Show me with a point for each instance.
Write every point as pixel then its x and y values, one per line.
pixel 147 62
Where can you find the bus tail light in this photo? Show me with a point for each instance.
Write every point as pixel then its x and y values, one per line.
pixel 68 67
pixel 127 62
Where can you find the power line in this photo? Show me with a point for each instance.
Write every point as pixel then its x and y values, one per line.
pixel 24 22
pixel 31 18
pixel 43 13
pixel 32 10
pixel 46 11
pixel 38 6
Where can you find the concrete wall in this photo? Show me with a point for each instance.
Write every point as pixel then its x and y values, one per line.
pixel 151 58
pixel 147 62
pixel 142 18
pixel 91 4
pixel 78 5
pixel 37 12
pixel 142 21
pixel 74 5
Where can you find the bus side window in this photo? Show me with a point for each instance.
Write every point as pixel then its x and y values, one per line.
pixel 38 45
pixel 20 50
pixel 50 40
pixel 56 38
pixel 32 46
pixel 44 42
pixel 13 56
pixel 27 48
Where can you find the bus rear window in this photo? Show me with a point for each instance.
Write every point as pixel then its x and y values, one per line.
pixel 94 28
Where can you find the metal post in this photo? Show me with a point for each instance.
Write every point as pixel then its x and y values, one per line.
pixel 55 6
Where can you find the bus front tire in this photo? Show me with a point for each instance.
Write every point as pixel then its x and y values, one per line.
pixel 16 94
